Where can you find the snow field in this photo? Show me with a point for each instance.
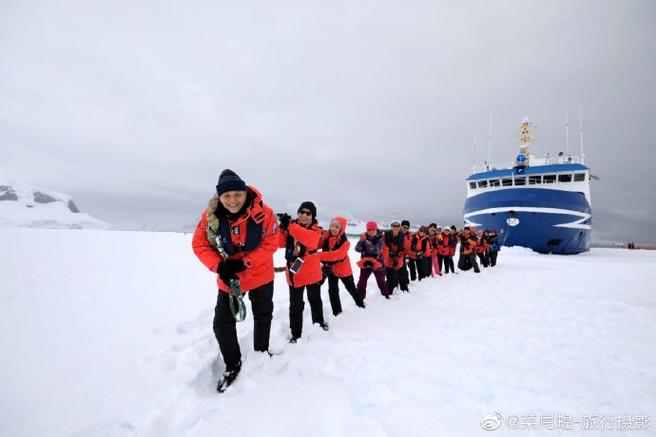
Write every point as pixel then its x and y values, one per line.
pixel 110 333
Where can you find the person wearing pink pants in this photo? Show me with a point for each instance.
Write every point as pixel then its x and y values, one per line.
pixel 433 235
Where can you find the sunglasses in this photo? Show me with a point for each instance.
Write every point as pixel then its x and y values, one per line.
pixel 304 212
pixel 396 226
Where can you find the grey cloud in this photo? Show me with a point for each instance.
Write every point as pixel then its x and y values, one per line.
pixel 368 108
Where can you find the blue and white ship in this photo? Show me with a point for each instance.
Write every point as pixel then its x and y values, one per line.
pixel 543 204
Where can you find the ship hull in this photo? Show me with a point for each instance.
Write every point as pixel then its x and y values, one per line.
pixel 545 220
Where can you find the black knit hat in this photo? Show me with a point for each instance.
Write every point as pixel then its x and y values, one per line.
pixel 229 181
pixel 310 206
pixel 405 223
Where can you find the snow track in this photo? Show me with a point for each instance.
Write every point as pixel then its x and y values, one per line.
pixel 110 333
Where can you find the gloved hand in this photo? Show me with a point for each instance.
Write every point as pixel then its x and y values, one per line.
pixel 229 268
pixel 326 269
pixel 368 264
pixel 284 219
pixel 420 254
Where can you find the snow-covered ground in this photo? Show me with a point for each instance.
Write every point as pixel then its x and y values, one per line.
pixel 110 334
pixel 24 205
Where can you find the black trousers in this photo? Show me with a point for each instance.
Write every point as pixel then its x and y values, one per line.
pixel 396 278
pixel 296 306
pixel 412 265
pixel 493 258
pixel 424 266
pixel 466 262
pixel 333 292
pixel 225 328
pixel 485 260
pixel 448 264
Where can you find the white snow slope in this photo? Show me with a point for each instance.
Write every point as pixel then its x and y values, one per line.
pixel 35 207
pixel 110 334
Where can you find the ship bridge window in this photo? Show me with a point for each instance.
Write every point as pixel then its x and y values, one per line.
pixel 564 178
pixel 579 177
pixel 482 184
pixel 506 182
pixel 472 185
pixel 549 179
pixel 494 182
pixel 520 181
pixel 535 180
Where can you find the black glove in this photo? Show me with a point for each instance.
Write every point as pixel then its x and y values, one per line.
pixel 368 264
pixel 326 269
pixel 228 269
pixel 284 219
pixel 420 254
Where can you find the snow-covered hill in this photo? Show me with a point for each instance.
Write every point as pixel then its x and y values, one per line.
pixel 23 205
pixel 110 334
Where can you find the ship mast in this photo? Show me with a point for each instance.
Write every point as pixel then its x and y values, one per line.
pixel 525 140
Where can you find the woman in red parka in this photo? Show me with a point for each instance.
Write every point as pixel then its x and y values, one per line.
pixel 394 258
pixel 337 264
pixel 236 238
pixel 300 238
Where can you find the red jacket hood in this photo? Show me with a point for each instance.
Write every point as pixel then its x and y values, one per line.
pixel 343 222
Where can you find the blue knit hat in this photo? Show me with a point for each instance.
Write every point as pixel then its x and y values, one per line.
pixel 229 181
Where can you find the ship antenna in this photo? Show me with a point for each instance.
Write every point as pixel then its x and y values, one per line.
pixel 581 134
pixel 475 140
pixel 489 142
pixel 566 127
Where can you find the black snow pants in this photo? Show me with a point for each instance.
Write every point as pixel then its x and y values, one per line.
pixel 296 306
pixel 225 329
pixel 333 292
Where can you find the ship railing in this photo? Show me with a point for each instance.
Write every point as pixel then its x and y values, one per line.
pixel 547 160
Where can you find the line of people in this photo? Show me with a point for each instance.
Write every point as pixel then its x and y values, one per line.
pixel 238 235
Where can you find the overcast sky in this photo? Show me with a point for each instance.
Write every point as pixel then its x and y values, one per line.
pixel 369 108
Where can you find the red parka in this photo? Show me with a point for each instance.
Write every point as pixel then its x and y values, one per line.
pixel 482 246
pixel 303 242
pixel 393 254
pixel 407 245
pixel 419 243
pixel 259 261
pixel 443 248
pixel 334 251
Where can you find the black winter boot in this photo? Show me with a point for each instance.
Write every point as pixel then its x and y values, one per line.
pixel 228 377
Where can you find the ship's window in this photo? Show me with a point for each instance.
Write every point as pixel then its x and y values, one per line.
pixel 579 177
pixel 564 178
pixel 472 185
pixel 535 180
pixel 506 182
pixel 494 182
pixel 482 184
pixel 520 181
pixel 549 178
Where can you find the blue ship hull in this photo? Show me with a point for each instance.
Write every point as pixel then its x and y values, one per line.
pixel 547 220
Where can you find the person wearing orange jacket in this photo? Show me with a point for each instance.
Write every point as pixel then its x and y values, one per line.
pixel 482 247
pixel 236 238
pixel 409 253
pixel 445 245
pixel 370 248
pixel 336 264
pixel 300 238
pixel 421 247
pixel 393 257
pixel 467 258
pixel 434 233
